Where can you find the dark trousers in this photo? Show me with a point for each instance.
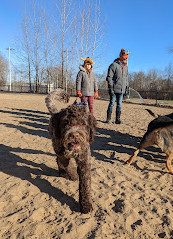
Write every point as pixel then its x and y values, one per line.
pixel 118 98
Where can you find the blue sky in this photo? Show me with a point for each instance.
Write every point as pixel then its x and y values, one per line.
pixel 144 27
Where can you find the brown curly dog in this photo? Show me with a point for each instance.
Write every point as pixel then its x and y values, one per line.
pixel 72 131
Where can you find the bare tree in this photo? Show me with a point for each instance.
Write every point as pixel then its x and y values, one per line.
pixel 48 48
pixel 23 52
pixel 27 46
pixel 170 50
pixel 3 70
pixel 168 77
pixel 34 47
pixel 26 40
pixel 63 23
pixel 89 30
pixel 98 28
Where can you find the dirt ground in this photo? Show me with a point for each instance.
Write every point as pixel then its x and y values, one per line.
pixel 129 201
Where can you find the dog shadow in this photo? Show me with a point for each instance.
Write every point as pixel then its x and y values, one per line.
pixel 105 139
pixel 16 166
pixel 36 120
pixel 30 111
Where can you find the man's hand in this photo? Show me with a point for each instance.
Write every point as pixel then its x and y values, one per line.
pixel 78 93
pixel 127 91
pixel 111 92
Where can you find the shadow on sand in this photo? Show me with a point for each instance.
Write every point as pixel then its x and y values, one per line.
pixel 9 164
pixel 105 139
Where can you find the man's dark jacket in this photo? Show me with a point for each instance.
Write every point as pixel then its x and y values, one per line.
pixel 117 77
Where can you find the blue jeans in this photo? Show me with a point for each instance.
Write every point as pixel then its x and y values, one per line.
pixel 116 97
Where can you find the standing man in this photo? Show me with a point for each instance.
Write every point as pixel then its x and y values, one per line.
pixel 117 78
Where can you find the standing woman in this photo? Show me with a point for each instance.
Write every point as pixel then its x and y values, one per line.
pixel 86 84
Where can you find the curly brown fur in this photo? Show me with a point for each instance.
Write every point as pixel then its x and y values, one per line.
pixel 72 131
pixel 160 133
pixel 56 96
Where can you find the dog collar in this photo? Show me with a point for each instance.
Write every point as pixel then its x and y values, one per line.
pixel 83 103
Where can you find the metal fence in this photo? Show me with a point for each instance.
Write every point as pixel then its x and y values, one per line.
pixel 24 89
pixel 103 93
pixel 151 97
pixel 43 89
pixel 157 95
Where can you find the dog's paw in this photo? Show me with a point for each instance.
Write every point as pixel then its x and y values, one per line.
pixel 86 209
pixel 171 171
pixel 63 174
pixel 74 178
pixel 127 162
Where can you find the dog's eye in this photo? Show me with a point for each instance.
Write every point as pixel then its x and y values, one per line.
pixel 65 122
pixel 70 135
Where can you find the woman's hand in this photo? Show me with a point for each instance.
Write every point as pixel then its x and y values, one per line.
pixel 78 93
pixel 96 94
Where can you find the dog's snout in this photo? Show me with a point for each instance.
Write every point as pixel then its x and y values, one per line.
pixel 74 135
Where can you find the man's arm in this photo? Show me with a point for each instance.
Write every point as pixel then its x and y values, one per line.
pixel 127 84
pixel 109 78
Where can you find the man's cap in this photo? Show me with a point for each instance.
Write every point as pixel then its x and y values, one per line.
pixel 123 54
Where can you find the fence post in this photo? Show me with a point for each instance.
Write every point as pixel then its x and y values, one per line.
pixel 156 96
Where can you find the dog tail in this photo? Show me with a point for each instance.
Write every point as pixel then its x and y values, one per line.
pixel 152 113
pixel 57 95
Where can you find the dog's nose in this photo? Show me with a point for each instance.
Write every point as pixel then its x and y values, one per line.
pixel 76 136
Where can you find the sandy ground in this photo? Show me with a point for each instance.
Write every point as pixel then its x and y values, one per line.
pixel 129 201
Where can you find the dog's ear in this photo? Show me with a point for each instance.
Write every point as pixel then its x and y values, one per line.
pixel 92 125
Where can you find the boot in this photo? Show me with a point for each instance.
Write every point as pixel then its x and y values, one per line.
pixel 118 121
pixel 108 116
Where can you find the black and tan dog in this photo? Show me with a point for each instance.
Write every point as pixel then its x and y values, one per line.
pixel 160 133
